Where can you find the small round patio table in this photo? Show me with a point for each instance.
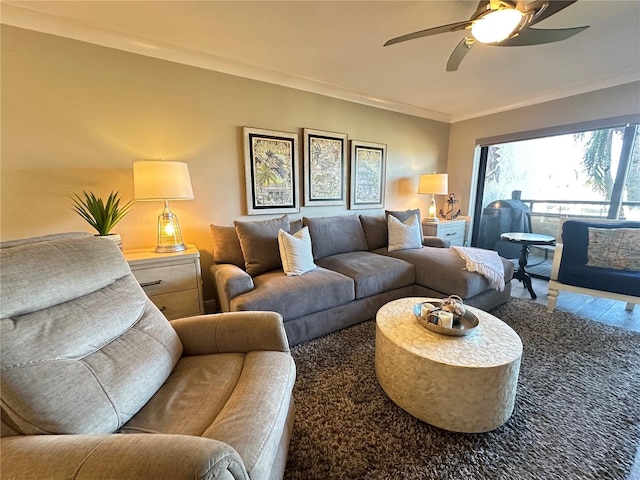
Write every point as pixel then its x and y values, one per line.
pixel 526 240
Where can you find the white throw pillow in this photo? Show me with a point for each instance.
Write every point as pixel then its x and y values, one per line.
pixel 404 235
pixel 295 252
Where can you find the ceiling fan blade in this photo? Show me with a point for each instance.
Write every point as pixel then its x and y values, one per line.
pixel 537 36
pixel 552 7
pixel 458 54
pixel 451 27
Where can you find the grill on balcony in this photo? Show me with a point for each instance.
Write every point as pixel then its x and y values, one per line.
pixel 501 216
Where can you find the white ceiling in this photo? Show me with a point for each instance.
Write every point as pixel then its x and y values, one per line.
pixel 335 48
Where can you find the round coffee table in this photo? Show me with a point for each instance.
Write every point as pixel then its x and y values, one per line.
pixel 463 384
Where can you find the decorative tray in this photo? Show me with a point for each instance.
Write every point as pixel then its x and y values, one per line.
pixel 462 324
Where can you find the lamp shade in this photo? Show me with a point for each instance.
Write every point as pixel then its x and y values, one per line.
pixel 161 180
pixel 434 184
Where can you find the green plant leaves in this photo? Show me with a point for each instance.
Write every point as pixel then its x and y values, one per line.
pixel 101 216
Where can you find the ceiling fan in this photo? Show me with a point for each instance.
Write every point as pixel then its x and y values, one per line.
pixel 501 23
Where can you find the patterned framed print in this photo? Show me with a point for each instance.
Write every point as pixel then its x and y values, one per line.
pixel 325 168
pixel 368 172
pixel 271 171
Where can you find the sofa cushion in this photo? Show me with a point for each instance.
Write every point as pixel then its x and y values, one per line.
pixel 404 215
pixel 404 235
pixel 226 246
pixel 375 231
pixel 624 282
pixel 84 364
pixel 333 235
pixel 617 248
pixel 293 297
pixel 295 252
pixel 372 274
pixel 259 243
pixel 443 270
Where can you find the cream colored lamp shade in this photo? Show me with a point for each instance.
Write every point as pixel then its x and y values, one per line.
pixel 158 180
pixel 433 184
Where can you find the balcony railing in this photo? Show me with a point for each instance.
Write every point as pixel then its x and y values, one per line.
pixel 546 214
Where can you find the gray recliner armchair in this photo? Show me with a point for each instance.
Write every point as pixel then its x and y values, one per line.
pixel 96 383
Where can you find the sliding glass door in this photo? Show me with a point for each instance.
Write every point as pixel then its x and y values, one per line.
pixel 528 185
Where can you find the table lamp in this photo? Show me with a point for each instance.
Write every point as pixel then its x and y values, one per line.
pixel 163 181
pixel 433 184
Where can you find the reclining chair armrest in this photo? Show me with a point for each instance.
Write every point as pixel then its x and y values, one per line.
pixel 122 456
pixel 232 332
pixel 230 281
pixel 429 241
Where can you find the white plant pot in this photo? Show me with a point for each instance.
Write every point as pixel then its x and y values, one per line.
pixel 115 237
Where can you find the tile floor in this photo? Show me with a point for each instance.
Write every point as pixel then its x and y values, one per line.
pixel 603 310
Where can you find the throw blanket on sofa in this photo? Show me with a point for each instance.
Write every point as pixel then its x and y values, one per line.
pixel 486 262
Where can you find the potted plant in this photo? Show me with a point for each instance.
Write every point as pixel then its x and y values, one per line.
pixel 102 216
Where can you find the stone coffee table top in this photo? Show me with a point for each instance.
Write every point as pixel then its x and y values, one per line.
pixel 492 342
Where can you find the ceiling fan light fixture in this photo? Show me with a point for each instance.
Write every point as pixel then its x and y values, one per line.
pixel 496 25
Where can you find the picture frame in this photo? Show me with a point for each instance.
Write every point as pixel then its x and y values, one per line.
pixel 368 175
pixel 325 167
pixel 271 171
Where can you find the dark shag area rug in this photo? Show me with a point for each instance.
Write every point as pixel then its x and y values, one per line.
pixel 577 412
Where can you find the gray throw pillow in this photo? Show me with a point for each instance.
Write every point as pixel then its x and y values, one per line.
pixel 259 244
pixel 404 215
pixel 333 235
pixel 226 246
pixel 375 231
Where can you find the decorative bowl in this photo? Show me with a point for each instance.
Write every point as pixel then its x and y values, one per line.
pixel 462 324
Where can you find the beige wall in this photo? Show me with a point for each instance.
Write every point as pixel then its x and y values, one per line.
pixel 611 102
pixel 75 116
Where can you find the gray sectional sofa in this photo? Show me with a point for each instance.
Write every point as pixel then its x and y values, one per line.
pixel 355 275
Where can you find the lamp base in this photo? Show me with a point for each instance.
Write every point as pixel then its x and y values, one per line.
pixel 169 235
pixel 171 248
pixel 431 212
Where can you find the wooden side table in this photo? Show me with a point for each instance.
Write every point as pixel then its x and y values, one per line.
pixel 452 230
pixel 172 281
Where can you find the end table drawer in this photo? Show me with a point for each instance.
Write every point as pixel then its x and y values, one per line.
pixel 178 304
pixel 171 280
pixel 160 280
pixel 452 230
pixel 453 233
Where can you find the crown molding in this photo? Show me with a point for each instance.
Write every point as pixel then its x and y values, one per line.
pixel 17 16
pixel 569 91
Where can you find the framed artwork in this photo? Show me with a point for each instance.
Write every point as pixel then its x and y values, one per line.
pixel 271 171
pixel 368 171
pixel 325 168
